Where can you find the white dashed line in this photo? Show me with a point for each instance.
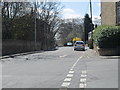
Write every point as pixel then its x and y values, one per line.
pixel 88 57
pixel 70 75
pixel 67 80
pixel 63 56
pixel 83 76
pixel 82 85
pixel 84 72
pixel 72 67
pixel 83 80
pixel 65 84
pixel 71 71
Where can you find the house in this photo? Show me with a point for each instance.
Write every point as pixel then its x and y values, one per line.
pixel 110 12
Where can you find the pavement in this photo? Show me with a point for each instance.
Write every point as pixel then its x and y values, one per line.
pixel 62 68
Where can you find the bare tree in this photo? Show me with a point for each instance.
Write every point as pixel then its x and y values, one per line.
pixel 48 12
pixel 70 29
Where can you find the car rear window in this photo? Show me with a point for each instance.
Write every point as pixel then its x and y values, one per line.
pixel 79 43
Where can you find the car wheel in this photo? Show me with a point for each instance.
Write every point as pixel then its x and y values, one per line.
pixel 83 49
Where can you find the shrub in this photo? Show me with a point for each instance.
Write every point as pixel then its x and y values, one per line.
pixel 107 36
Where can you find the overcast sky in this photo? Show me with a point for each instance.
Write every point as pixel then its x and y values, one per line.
pixel 79 9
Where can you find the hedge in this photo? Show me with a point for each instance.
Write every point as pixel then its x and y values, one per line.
pixel 107 36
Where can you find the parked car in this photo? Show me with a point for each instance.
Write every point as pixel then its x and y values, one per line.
pixel 79 45
pixel 69 44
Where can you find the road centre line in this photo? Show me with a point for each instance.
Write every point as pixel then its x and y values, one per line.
pixel 65 84
pixel 67 79
pixel 70 75
pixel 84 72
pixel 76 62
pixel 71 71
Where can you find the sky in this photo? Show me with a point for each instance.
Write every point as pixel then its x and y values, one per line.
pixel 77 9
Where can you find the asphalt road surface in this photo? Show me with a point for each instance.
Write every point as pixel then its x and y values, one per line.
pixel 63 68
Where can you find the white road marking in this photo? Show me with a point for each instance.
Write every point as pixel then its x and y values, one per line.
pixel 63 56
pixel 72 67
pixel 84 72
pixel 83 80
pixel 71 71
pixel 76 62
pixel 82 85
pixel 88 57
pixel 83 76
pixel 70 75
pixel 67 79
pixel 81 57
pixel 65 84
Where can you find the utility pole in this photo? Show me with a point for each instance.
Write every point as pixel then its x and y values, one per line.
pixel 91 9
pixel 35 24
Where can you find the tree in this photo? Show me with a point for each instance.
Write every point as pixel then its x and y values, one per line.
pixel 69 30
pixel 20 18
pixel 12 11
pixel 48 12
pixel 88 26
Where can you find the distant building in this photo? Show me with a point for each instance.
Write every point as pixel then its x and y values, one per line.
pixel 110 12
pixel 97 21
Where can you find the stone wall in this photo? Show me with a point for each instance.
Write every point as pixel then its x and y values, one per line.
pixel 108 13
pixel 107 51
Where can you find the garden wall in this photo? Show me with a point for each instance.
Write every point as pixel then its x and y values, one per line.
pixel 18 46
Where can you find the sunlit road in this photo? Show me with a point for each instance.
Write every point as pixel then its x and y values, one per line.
pixel 63 68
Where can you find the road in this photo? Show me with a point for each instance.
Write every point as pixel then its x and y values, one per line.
pixel 63 68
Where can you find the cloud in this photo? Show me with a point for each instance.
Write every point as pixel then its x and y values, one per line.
pixel 69 13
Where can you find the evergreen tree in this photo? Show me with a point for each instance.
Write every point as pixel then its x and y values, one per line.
pixel 88 26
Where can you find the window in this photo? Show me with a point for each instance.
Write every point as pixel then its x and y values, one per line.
pixel 118 13
pixel 79 43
